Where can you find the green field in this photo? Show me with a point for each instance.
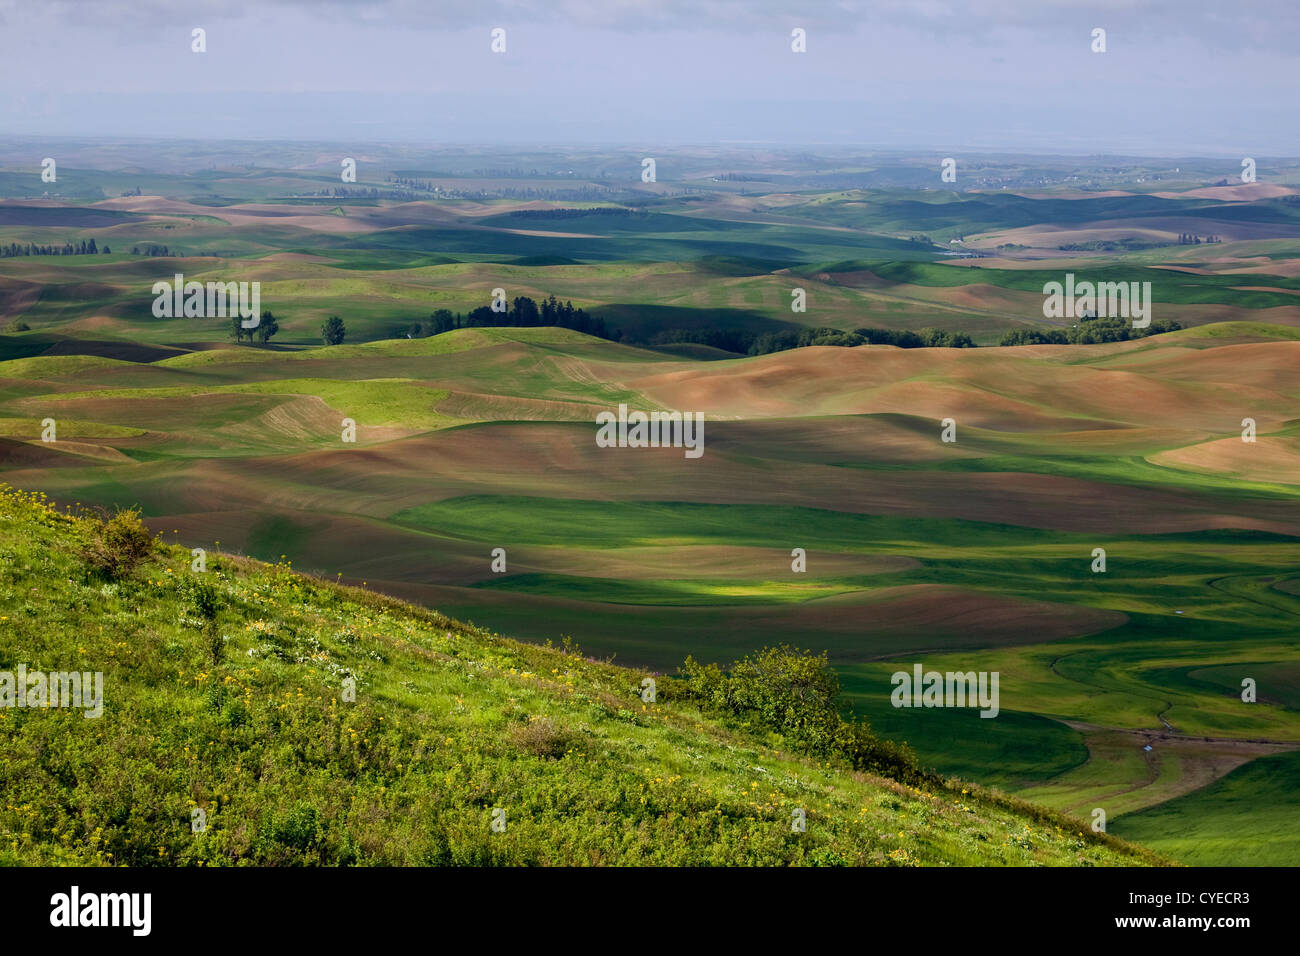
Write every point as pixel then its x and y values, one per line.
pixel 1246 816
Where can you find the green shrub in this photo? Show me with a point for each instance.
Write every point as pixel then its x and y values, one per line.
pixel 543 738
pixel 118 545
pixel 793 692
pixel 202 597
pixel 297 830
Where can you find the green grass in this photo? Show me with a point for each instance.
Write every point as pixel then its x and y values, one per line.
pixel 1009 751
pixel 622 524
pixel 58 366
pixel 31 428
pixel 376 402
pixel 400 402
pixel 1250 816
pixel 699 593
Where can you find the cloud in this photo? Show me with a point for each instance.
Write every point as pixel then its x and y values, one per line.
pixel 1273 23
pixel 1002 72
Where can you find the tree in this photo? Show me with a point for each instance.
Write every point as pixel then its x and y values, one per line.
pixel 237 329
pixel 266 328
pixel 1034 337
pixel 481 316
pixel 524 312
pixel 332 330
pixel 942 338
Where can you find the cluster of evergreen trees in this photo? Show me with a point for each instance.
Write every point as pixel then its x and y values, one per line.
pixel 82 248
pixel 746 342
pixel 1188 239
pixel 152 250
pixel 523 311
pixel 1089 332
pixel 903 339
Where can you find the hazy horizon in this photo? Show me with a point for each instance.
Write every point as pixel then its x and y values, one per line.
pixel 1176 79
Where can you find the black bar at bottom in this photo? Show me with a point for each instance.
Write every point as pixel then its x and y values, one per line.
pixel 334 906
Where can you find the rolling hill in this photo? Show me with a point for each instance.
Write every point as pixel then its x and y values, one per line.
pixel 251 714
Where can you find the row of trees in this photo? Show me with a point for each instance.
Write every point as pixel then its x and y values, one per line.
pixel 1089 332
pixel 332 330
pixel 523 311
pixel 86 247
pixel 904 339
pixel 526 312
pixel 83 248
pixel 264 329
pixel 745 342
pixel 160 251
pixel 620 212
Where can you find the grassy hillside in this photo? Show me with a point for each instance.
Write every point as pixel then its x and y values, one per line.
pixel 245 718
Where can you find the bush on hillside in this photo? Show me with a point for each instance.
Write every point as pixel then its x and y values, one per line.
pixel 793 692
pixel 542 737
pixel 204 601
pixel 118 544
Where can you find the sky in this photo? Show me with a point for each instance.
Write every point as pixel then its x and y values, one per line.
pixel 1179 77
